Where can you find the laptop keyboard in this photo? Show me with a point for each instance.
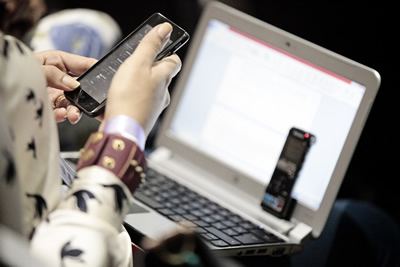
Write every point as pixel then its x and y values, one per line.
pixel 214 223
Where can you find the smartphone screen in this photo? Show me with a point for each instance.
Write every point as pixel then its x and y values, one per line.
pixel 96 83
pixel 91 96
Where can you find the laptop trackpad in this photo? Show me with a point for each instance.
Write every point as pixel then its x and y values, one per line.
pixel 148 222
pixel 137 209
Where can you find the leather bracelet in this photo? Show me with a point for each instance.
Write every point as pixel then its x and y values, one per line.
pixel 117 154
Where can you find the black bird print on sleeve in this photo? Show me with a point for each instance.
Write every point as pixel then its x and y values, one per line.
pixel 9 169
pixel 5 51
pixel 39 114
pixel 32 233
pixel 19 46
pixel 30 96
pixel 68 252
pixel 32 147
pixel 6 47
pixel 119 196
pixel 40 204
pixel 81 197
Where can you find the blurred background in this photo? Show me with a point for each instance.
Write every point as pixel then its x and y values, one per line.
pixel 357 30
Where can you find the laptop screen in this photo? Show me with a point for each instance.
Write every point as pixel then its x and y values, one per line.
pixel 243 96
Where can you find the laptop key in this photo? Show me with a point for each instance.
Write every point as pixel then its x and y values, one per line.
pixel 208 219
pixel 179 211
pixel 219 243
pixel 201 223
pixel 188 224
pixel 217 217
pixel 166 211
pixel 248 225
pixel 231 241
pixel 147 200
pixel 219 225
pixel 159 199
pixel 200 230
pixel 176 218
pixel 236 219
pixel 209 236
pixel 207 211
pixel 230 232
pixel 197 213
pixel 249 239
pixel 229 223
pixel 175 201
pixel 269 237
pixel 189 217
pixel 240 230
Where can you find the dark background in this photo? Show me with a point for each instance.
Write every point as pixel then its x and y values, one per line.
pixel 362 31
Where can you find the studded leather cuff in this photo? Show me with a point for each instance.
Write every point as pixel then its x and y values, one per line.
pixel 117 154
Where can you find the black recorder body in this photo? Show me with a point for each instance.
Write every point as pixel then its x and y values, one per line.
pixel 277 199
pixel 91 96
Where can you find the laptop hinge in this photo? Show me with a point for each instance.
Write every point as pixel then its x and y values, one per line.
pixel 300 233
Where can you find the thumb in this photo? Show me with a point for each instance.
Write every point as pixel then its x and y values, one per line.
pixel 151 45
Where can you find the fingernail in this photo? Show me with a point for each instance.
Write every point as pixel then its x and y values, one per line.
pixel 79 114
pixel 70 82
pixel 164 30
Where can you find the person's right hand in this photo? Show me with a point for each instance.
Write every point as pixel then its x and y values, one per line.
pixel 57 67
pixel 139 89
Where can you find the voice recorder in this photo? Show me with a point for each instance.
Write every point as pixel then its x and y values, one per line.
pixel 277 199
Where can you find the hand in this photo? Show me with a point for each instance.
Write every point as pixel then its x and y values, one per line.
pixel 139 89
pixel 57 66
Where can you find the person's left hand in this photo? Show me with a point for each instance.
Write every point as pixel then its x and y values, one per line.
pixel 59 68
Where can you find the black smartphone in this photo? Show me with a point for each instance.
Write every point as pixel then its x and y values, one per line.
pixel 91 96
pixel 277 198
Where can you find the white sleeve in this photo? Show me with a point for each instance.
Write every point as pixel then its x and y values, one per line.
pixel 86 228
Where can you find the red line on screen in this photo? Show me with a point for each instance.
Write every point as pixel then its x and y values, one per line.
pixel 292 56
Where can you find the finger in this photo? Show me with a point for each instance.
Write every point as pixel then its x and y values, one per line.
pixel 74 114
pixel 101 119
pixel 61 102
pixel 60 114
pixel 65 61
pixel 71 113
pixel 77 64
pixel 170 65
pixel 151 45
pixel 53 94
pixel 59 79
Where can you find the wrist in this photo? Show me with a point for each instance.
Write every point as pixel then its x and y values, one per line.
pixel 127 127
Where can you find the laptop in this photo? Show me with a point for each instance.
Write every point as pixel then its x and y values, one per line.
pixel 244 84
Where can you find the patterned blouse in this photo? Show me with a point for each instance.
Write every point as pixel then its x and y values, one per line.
pixel 81 227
